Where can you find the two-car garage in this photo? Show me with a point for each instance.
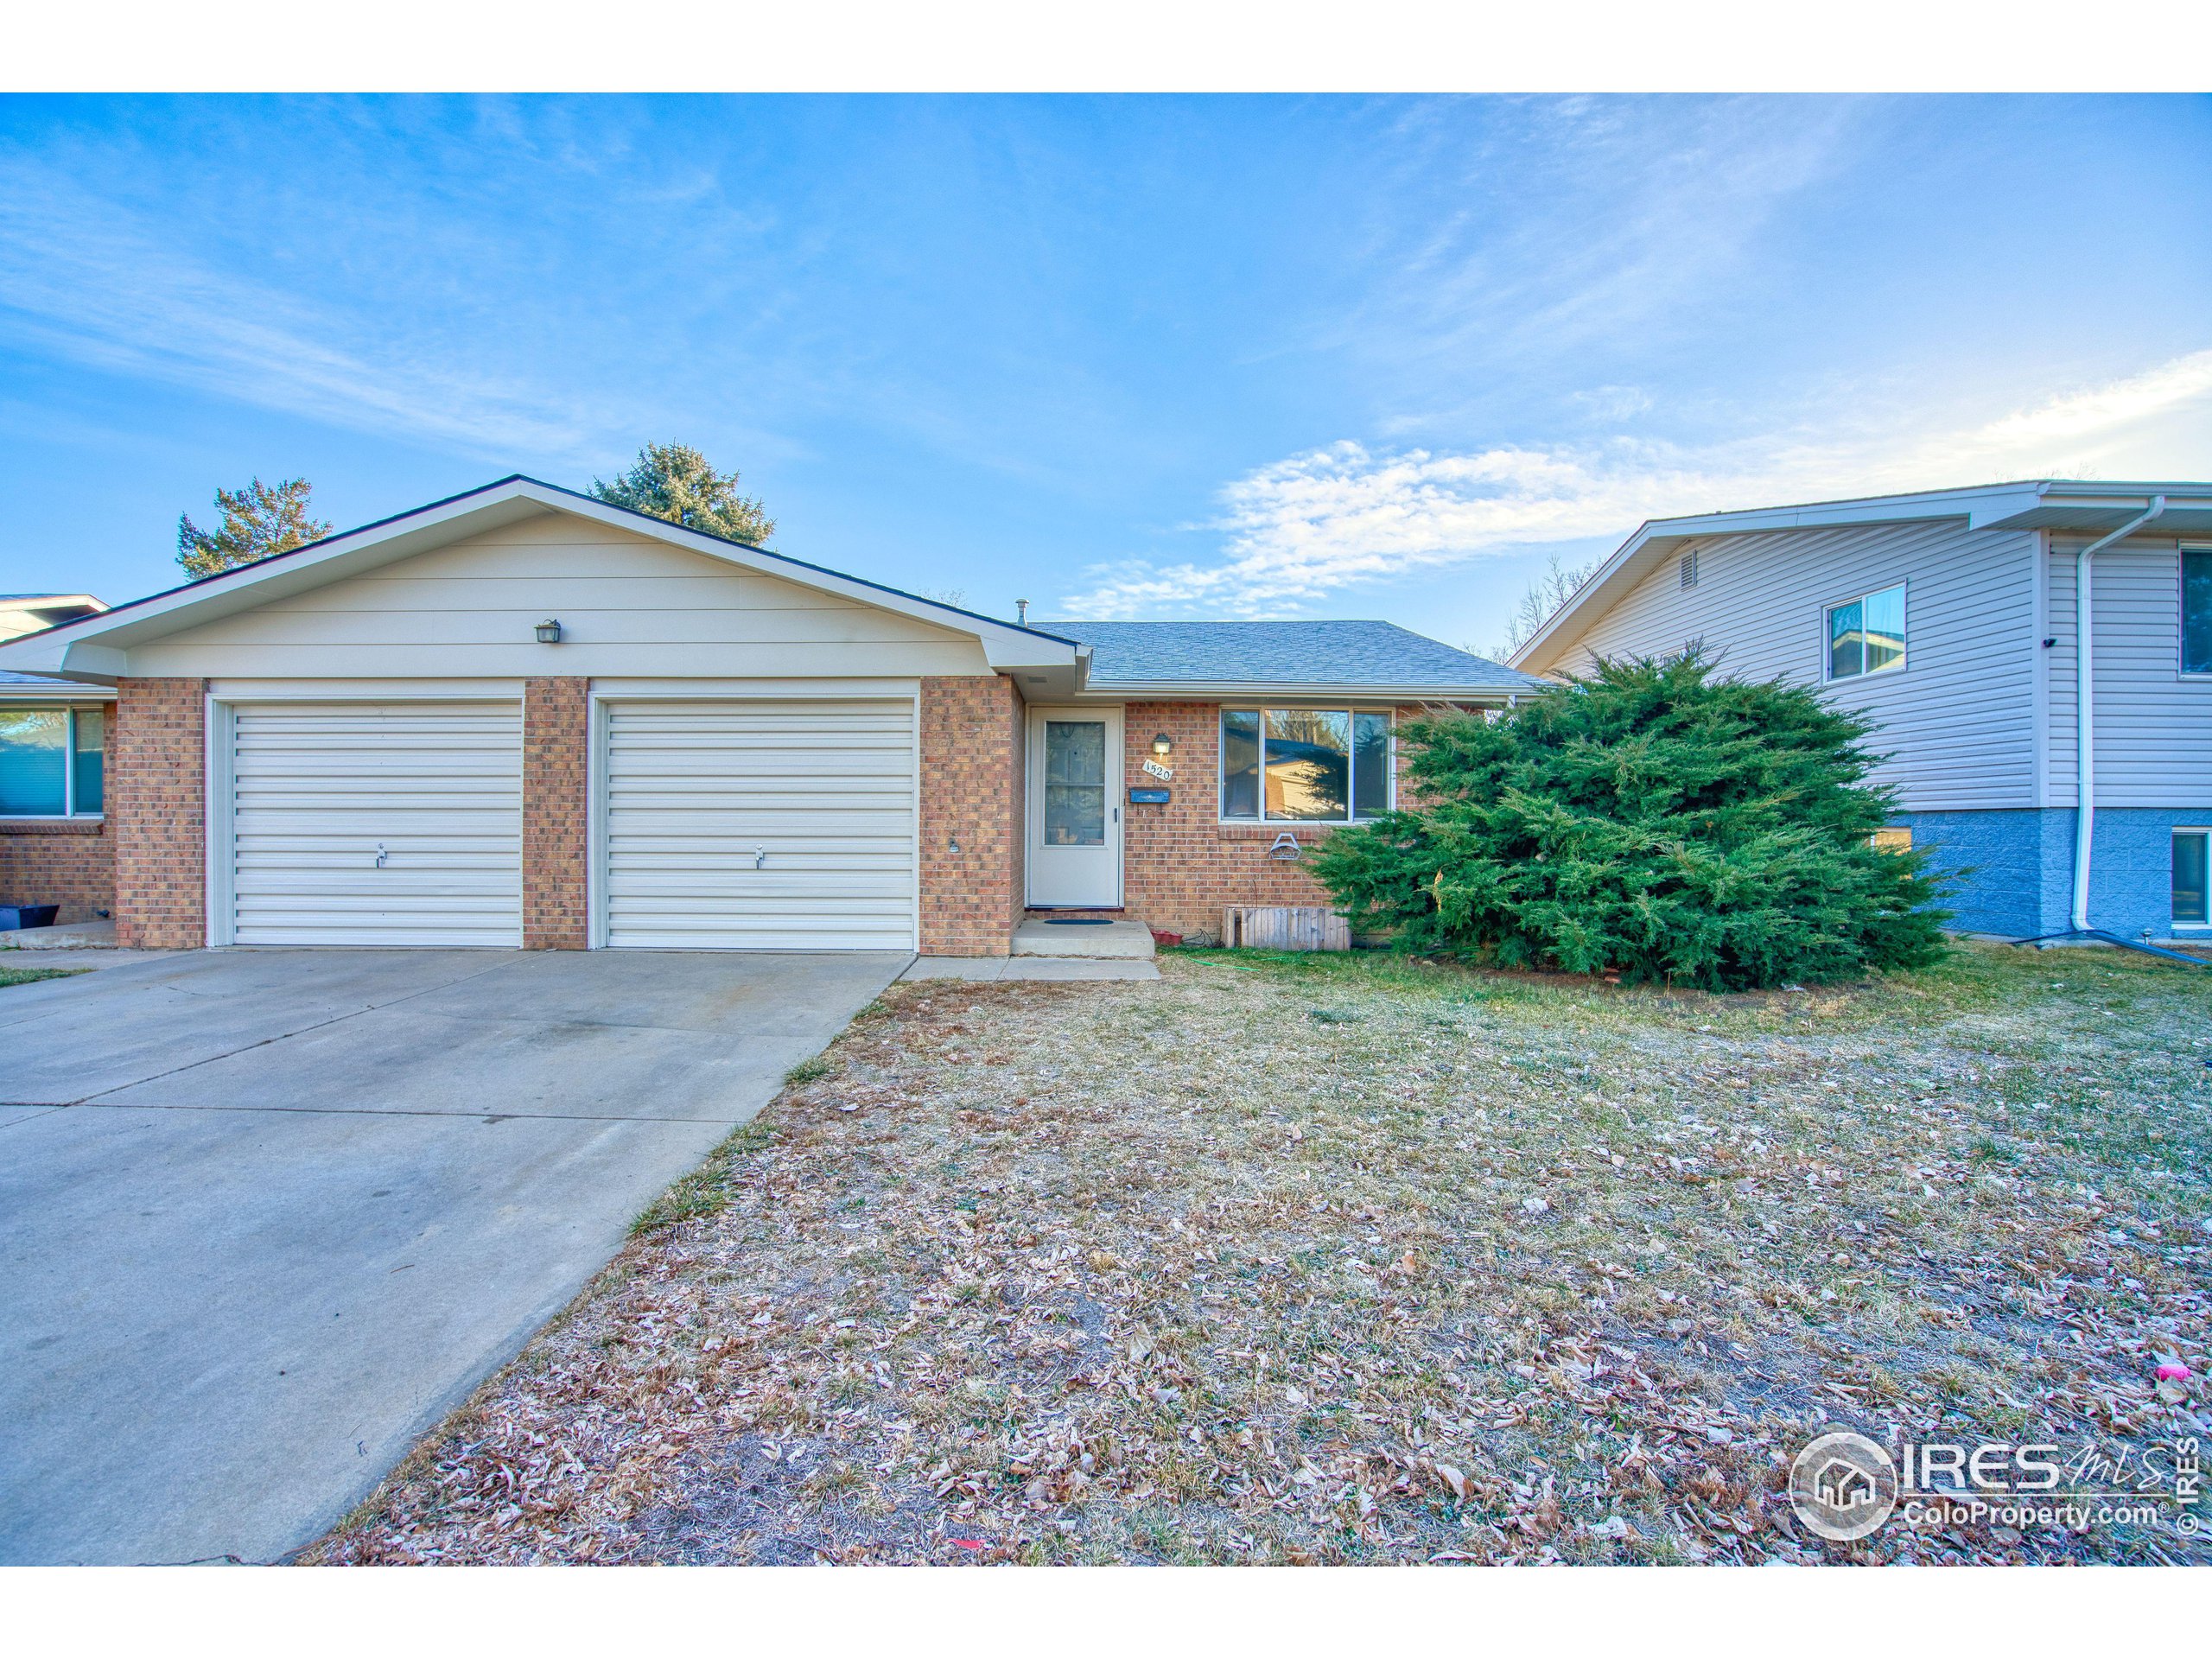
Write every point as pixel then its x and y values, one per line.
pixel 717 823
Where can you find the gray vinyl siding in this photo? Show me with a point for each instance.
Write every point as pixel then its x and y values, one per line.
pixel 1957 722
pixel 2154 727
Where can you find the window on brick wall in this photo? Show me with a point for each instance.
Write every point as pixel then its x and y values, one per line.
pixel 1304 766
pixel 53 762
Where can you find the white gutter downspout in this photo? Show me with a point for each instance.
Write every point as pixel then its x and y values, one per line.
pixel 2085 751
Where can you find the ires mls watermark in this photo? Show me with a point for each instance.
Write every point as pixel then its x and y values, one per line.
pixel 1844 1486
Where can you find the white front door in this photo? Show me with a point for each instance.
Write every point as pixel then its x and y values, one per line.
pixel 1075 808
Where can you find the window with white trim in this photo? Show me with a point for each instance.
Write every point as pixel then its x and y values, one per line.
pixel 2192 866
pixel 2196 610
pixel 53 762
pixel 1304 766
pixel 1866 634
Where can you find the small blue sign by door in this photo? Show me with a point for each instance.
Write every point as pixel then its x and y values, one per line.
pixel 1148 796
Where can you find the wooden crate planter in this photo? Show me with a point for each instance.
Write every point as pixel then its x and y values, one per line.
pixel 1284 927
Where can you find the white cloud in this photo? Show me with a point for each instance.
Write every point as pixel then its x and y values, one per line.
pixel 83 278
pixel 1314 523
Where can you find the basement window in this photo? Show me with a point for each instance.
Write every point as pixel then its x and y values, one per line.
pixel 2191 866
pixel 53 762
pixel 1866 635
pixel 1304 766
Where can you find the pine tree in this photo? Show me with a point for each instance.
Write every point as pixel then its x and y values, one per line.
pixel 1647 820
pixel 259 520
pixel 676 483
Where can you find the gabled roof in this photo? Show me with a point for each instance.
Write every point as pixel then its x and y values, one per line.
pixel 90 647
pixel 1234 657
pixel 2091 506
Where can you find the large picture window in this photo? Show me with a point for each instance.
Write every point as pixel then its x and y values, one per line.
pixel 2196 610
pixel 1867 635
pixel 1304 766
pixel 53 762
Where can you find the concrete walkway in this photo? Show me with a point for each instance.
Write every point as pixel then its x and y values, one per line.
pixel 266 1216
pixel 990 967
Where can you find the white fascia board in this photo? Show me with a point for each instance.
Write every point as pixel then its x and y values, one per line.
pixel 20 692
pixel 96 646
pixel 1602 580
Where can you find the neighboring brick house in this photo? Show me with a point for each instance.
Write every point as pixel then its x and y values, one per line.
pixel 55 848
pixel 522 717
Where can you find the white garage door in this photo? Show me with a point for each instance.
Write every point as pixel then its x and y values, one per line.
pixel 760 825
pixel 377 823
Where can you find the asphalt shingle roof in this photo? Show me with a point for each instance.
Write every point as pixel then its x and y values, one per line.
pixel 1379 654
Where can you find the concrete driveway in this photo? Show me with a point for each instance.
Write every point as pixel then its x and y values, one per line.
pixel 266 1216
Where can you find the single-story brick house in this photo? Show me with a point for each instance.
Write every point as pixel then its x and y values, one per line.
pixel 522 717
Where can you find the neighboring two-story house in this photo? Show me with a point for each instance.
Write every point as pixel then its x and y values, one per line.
pixel 1951 617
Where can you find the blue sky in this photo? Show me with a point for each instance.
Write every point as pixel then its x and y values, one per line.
pixel 1139 357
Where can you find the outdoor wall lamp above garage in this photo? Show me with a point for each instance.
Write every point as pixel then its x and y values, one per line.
pixel 549 631
pixel 1162 745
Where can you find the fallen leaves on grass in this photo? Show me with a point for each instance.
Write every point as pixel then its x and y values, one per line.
pixel 1360 1261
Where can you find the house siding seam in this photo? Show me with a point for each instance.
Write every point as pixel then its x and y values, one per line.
pixel 64 861
pixel 157 813
pixel 556 813
pixel 971 799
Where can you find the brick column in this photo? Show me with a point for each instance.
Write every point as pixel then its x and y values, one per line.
pixel 556 813
pixel 156 809
pixel 971 869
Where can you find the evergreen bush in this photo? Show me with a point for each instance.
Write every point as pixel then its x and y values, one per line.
pixel 1648 820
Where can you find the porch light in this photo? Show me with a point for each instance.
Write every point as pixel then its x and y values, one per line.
pixel 549 631
pixel 1162 744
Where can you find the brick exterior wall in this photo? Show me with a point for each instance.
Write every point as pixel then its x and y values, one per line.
pixel 971 742
pixel 156 813
pixel 69 862
pixel 1180 863
pixel 555 814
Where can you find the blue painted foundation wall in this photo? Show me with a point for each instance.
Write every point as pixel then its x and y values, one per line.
pixel 2013 873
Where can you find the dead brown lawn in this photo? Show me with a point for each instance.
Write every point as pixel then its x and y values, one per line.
pixel 1350 1258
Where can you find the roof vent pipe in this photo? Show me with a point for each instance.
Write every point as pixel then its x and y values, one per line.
pixel 2085 748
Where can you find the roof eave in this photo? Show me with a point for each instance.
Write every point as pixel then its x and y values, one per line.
pixel 1989 506
pixel 61 690
pixel 88 646
pixel 1303 690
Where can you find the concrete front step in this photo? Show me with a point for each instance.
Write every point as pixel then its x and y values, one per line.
pixel 66 935
pixel 1039 938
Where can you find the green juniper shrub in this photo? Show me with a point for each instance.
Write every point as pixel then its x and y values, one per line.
pixel 1649 820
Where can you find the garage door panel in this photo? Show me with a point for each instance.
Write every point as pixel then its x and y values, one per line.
pixel 821 794
pixel 316 790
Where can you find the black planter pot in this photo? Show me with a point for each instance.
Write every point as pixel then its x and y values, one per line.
pixel 14 915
